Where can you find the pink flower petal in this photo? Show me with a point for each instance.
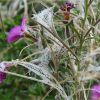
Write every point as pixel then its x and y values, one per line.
pixel 95 93
pixel 4 66
pixel 2 77
pixel 17 32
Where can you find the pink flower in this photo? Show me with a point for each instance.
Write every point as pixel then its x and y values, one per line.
pixel 17 32
pixel 3 67
pixel 2 76
pixel 95 93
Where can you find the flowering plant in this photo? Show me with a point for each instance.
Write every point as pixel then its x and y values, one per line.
pixel 60 49
pixel 17 32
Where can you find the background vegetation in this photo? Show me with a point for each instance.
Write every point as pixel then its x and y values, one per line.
pixel 84 42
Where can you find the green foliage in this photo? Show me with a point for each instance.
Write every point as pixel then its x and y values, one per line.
pixel 15 88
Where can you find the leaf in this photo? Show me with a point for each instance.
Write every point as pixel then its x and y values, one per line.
pixel 45 17
pixel 46 76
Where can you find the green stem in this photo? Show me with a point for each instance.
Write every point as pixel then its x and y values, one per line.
pixel 92 27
